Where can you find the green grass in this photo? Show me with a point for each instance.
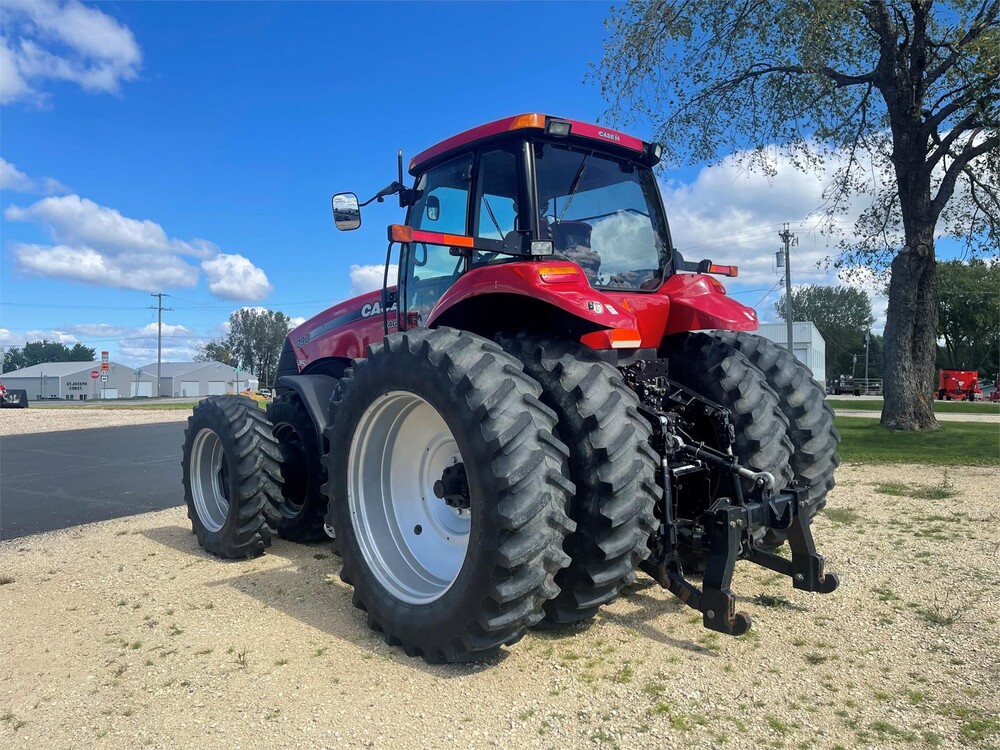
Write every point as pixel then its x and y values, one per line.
pixel 954 444
pixel 941 407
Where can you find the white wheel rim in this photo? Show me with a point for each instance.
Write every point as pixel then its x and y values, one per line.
pixel 412 541
pixel 209 480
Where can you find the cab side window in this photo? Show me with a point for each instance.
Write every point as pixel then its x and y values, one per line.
pixel 441 205
pixel 497 194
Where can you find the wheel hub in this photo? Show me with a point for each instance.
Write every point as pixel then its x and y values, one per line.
pixel 453 487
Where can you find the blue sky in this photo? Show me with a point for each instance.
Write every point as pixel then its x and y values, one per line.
pixel 192 148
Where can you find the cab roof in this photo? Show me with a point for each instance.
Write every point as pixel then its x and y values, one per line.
pixel 555 127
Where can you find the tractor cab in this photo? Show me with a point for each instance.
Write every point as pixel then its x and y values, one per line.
pixel 529 189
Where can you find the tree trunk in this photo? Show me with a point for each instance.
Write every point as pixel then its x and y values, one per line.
pixel 911 338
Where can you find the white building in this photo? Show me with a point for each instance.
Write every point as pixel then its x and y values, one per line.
pixel 76 381
pixel 808 345
pixel 197 379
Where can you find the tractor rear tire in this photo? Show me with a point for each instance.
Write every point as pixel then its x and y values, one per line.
pixel 302 512
pixel 231 476
pixel 443 413
pixel 810 418
pixel 610 462
pixel 712 369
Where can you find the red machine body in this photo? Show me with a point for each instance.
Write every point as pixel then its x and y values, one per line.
pixel 621 320
pixel 554 292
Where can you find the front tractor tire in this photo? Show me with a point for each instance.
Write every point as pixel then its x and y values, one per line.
pixel 231 476
pixel 448 494
pixel 810 419
pixel 302 511
pixel 611 463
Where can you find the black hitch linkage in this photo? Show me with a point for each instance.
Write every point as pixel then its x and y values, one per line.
pixel 730 527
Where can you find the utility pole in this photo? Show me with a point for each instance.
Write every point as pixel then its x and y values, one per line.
pixel 789 239
pixel 159 334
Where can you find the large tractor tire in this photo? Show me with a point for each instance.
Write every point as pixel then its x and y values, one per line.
pixel 231 467
pixel 810 419
pixel 718 372
pixel 611 463
pixel 301 514
pixel 448 494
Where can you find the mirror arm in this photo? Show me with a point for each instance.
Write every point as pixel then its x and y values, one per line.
pixel 391 189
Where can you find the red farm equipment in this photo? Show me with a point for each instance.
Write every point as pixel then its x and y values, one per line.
pixel 548 398
pixel 958 385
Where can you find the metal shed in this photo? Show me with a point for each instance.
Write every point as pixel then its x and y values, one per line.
pixel 808 345
pixel 72 381
pixel 199 379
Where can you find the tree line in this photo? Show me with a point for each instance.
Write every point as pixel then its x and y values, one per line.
pixel 968 313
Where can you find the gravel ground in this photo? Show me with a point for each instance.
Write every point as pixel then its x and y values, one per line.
pixel 125 634
pixel 25 421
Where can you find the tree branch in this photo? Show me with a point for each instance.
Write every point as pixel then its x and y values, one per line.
pixel 961 160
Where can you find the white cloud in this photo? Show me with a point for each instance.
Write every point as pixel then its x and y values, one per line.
pixel 731 215
pixel 129 270
pixel 297 321
pixel 10 338
pixel 100 246
pixel 48 40
pixel 369 278
pixel 16 181
pixel 234 277
pixel 75 220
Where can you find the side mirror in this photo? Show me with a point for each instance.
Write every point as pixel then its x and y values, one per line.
pixel 346 211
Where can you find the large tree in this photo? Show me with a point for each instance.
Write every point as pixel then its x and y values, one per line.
pixel 842 315
pixel 896 98
pixel 254 342
pixel 43 352
pixel 969 314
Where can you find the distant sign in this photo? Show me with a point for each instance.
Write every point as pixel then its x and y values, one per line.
pixel 104 378
pixel 104 366
pixel 94 374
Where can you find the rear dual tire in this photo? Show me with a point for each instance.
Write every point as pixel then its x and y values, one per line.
pixel 610 462
pixel 811 430
pixel 461 586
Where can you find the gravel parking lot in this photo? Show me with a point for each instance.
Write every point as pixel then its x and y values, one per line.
pixel 125 634
pixel 25 421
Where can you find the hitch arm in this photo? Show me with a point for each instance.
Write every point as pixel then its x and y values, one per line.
pixel 806 566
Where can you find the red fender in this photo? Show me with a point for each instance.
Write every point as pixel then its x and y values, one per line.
pixel 699 302
pixel 559 283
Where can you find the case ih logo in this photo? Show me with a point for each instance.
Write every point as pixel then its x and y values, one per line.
pixel 609 136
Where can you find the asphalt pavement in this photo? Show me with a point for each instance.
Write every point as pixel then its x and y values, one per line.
pixel 54 480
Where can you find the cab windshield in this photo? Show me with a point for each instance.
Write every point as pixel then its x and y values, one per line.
pixel 603 214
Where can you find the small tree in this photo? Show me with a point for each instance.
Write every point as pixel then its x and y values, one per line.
pixel 253 344
pixel 214 351
pixel 899 98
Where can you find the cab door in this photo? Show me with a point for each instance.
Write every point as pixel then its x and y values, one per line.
pixel 441 205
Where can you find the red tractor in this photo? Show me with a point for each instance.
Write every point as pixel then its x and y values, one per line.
pixel 547 399
pixel 958 385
